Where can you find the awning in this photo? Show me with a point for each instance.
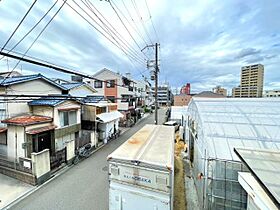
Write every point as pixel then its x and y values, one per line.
pixel 109 116
pixel 40 130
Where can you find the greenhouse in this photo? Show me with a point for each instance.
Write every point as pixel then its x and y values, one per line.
pixel 219 125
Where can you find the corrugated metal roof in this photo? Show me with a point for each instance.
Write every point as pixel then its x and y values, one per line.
pixel 27 120
pixel 25 78
pixel 152 145
pixel 225 123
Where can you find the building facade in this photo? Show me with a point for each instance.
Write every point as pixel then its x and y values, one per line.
pixel 165 96
pixel 219 90
pixel 271 93
pixel 251 84
pixel 186 89
pixel 182 100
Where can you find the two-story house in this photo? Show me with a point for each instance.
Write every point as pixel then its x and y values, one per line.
pixel 12 104
pixel 100 119
pixel 118 89
pixel 52 124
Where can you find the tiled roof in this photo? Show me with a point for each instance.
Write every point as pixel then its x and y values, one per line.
pixel 27 120
pixel 50 101
pixel 26 78
pixel 209 94
pixel 70 86
pixel 94 99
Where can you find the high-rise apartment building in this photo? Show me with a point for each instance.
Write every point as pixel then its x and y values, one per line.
pixel 251 84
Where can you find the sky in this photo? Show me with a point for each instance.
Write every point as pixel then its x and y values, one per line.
pixel 203 42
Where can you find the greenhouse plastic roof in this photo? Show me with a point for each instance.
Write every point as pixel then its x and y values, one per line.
pixel 226 123
pixel 264 165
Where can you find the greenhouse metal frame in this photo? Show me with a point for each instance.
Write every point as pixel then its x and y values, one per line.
pixel 217 126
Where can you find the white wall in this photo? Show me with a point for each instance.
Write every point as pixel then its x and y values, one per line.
pixel 15 138
pixel 35 87
pixel 81 91
pixel 60 143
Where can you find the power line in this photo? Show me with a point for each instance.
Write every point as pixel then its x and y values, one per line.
pixel 141 20
pixel 124 25
pixel 112 29
pixel 18 25
pixel 137 29
pixel 32 28
pixel 131 52
pixel 99 31
pixel 152 21
pixel 36 39
pixel 54 67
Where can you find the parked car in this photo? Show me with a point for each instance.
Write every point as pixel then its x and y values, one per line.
pixel 172 123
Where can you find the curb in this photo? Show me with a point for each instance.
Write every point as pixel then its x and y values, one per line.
pixel 57 174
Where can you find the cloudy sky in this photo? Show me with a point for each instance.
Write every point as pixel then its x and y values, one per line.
pixel 204 42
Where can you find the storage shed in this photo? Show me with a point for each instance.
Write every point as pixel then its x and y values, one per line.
pixel 216 127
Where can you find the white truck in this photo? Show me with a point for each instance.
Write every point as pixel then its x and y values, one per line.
pixel 141 171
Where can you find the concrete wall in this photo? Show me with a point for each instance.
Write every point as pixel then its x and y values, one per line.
pixel 15 138
pixel 70 150
pixel 41 166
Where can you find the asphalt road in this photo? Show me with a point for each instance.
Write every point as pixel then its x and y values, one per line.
pixel 84 186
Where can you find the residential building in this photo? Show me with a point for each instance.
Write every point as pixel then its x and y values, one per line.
pixel 186 89
pixel 165 95
pixel 219 90
pixel 251 84
pixel 66 115
pixel 216 127
pixel 182 100
pixel 10 74
pixel 118 89
pixel 60 81
pixel 271 93
pixel 25 85
pixel 79 89
pixel 208 94
pixel 100 120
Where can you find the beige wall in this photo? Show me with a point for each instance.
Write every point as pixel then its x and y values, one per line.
pixel 182 100
pixel 40 162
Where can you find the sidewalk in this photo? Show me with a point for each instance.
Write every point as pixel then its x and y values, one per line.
pixel 11 189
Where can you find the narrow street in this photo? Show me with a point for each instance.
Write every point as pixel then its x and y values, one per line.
pixel 84 186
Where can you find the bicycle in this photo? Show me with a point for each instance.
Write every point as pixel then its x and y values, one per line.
pixel 83 152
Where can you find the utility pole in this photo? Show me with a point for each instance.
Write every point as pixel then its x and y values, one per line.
pixel 154 76
pixel 156 85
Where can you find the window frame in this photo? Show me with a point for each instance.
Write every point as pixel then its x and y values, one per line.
pixel 98 84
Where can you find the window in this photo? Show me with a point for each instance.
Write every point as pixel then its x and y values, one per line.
pixel 110 84
pixel 97 84
pixel 67 118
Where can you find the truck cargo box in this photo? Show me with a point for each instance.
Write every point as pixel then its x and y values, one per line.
pixel 144 163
